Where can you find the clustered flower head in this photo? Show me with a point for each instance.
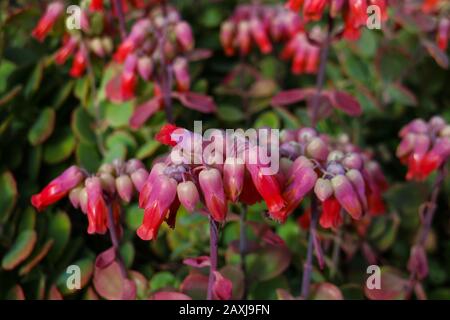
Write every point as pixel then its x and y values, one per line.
pixel 353 12
pixel 425 146
pixel 95 194
pixel 77 44
pixel 342 177
pixel 263 25
pixel 159 39
pixel 337 172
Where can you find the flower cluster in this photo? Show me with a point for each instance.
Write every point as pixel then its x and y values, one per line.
pixel 425 146
pixel 264 24
pixel 354 12
pixel 161 39
pixel 76 43
pixel 430 16
pixel 339 174
pixel 95 194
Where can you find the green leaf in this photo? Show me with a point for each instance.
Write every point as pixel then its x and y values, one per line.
pixel 59 231
pixel 118 115
pixel 229 113
pixel 43 127
pixel 34 81
pixel 36 258
pixel 148 149
pixel 117 151
pixel 8 195
pixel 124 138
pixel 81 124
pixel 163 279
pixel 127 252
pixel 27 219
pixel 268 119
pixel 88 156
pixel 6 69
pixel 59 147
pixel 133 217
pixel 268 262
pixel 20 250
pixel 212 17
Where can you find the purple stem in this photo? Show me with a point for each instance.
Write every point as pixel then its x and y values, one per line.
pixel 213 247
pixel 307 268
pixel 121 18
pixel 115 242
pixel 320 81
pixel 428 210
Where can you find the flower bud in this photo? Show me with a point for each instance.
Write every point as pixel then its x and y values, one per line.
pixel 184 36
pixel 181 71
pixel 357 180
pixel 132 165
pixel 106 168
pixel 353 161
pixel 323 189
pixel 335 155
pixel 108 183
pixel 188 195
pixel 335 169
pixel 74 197
pixel 305 135
pixel 124 187
pixel 227 30
pixel 317 149
pixel 83 200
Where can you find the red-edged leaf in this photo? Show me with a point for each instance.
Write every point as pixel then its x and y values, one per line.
pixel 195 285
pixel 196 101
pixel 222 287
pixel 143 112
pixel 236 276
pixel 165 295
pixel 327 291
pixel 109 284
pixel 438 55
pixel 283 294
pixel 392 286
pixel 54 294
pixel 105 258
pixel 345 102
pixel 198 262
pixel 288 97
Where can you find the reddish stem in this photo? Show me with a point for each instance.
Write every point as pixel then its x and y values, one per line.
pixel 428 210
pixel 121 18
pixel 115 242
pixel 213 247
pixel 307 268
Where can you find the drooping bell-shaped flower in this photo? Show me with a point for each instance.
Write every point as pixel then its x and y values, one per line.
pixel 346 196
pixel 128 79
pixel 150 183
pixel 331 213
pixel 145 67
pixel 157 206
pixel 227 30
pixel 58 188
pixel 266 184
pixel 79 62
pixel 181 72
pixel 323 189
pixel 97 211
pixel 233 178
pixel 183 34
pixel 66 50
pixel 260 36
pixel 124 187
pixel 138 178
pixel 212 187
pixel 45 24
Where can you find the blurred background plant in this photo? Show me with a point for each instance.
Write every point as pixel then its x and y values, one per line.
pixel 50 120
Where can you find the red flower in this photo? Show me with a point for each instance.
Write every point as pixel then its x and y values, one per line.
pixel 45 24
pixel 79 63
pixel 97 210
pixel 57 188
pixel 96 5
pixel 331 213
pixel 66 50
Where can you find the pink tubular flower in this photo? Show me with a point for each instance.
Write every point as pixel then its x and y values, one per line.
pixel 57 188
pixel 97 211
pixel 443 33
pixel 331 214
pixel 79 63
pixel 157 206
pixel 212 187
pixel 260 36
pixel 267 185
pixel 227 36
pixel 128 78
pixel 96 5
pixel 45 24
pixel 66 50
pixel 188 195
pixel 305 56
pixel 313 9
